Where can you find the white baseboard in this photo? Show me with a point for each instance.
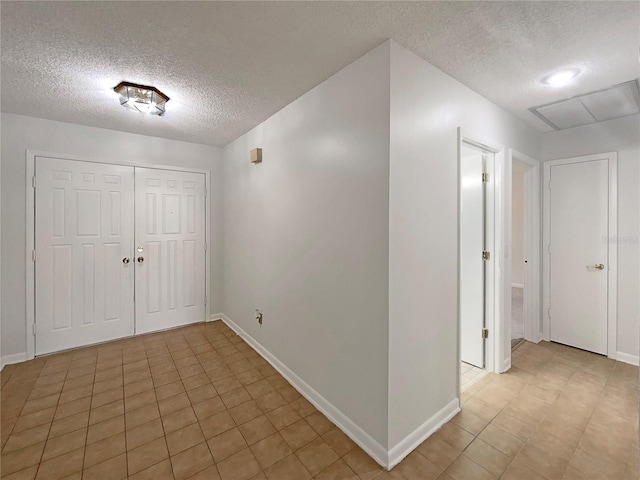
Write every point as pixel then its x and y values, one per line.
pixel 628 358
pixel 215 316
pixel 353 431
pixel 420 434
pixel 14 358
pixel 517 285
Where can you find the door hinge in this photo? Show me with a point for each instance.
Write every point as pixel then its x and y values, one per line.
pixel 33 255
pixel 485 177
pixel 205 301
pixel 486 255
pixel 205 246
pixel 485 333
pixel 33 325
pixel 549 312
pixel 549 185
pixel 549 249
pixel 205 193
pixel 33 181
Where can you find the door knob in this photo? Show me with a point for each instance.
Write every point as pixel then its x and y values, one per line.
pixel 125 260
pixel 140 259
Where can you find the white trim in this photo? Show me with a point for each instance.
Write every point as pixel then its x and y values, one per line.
pixel 30 230
pixel 612 270
pixel 628 358
pixel 424 431
pixel 13 358
pixel 517 285
pixel 495 349
pixel 215 316
pixel 353 431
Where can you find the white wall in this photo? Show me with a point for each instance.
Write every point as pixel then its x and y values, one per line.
pixel 517 226
pixel 623 136
pixel 427 107
pixel 20 133
pixel 306 238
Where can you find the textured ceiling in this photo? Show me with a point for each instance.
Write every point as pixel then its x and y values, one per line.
pixel 227 66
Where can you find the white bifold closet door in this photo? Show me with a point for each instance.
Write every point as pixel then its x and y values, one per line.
pixel 170 248
pixel 84 234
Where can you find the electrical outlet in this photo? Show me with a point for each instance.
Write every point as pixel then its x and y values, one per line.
pixel 259 316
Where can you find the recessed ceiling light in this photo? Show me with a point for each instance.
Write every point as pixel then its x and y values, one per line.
pixel 562 77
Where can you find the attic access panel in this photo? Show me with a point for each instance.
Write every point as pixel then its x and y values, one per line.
pixel 614 102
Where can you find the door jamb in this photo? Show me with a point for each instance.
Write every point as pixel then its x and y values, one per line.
pixel 30 231
pixel 494 349
pixel 612 261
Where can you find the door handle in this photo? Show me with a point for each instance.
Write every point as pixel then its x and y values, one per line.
pixel 140 259
pixel 597 266
pixel 126 260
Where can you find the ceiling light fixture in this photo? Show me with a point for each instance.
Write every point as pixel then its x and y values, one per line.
pixel 561 78
pixel 141 98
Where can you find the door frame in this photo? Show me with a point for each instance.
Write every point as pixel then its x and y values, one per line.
pixel 532 241
pixel 494 348
pixel 612 260
pixel 30 230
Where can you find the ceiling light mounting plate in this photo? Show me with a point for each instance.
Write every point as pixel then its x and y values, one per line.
pixel 141 98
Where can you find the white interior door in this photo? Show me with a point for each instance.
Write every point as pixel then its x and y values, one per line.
pixel 472 274
pixel 83 231
pixel 578 228
pixel 170 248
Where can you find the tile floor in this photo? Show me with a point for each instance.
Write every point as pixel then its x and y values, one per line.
pixel 470 375
pixel 198 403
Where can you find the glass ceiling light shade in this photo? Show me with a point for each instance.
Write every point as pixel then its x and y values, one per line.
pixel 141 98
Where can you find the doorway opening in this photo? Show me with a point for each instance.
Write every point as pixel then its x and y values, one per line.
pixel 476 259
pixel 519 257
pixel 522 276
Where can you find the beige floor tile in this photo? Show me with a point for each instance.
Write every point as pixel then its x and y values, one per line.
pixel 298 434
pixel 257 429
pixel 17 460
pixel 289 468
pixel 25 438
pixel 338 441
pixel 338 470
pixel 113 469
pixel 317 455
pixel 226 444
pixel 61 466
pixel 64 444
pixel 147 455
pixel 245 412
pixel 464 468
pixel 104 449
pixel 102 430
pixel 161 470
pixel 270 449
pixel 178 419
pixel 144 433
pixel 488 457
pixel 191 461
pixel 217 424
pixel 416 466
pixel 240 466
pixel 185 438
